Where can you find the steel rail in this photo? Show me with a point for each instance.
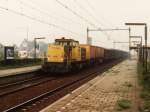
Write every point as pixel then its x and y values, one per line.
pixel 51 92
pixel 25 86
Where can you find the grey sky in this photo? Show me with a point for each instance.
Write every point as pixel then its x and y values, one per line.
pixel 103 13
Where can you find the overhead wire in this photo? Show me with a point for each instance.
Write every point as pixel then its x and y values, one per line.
pixel 75 13
pixel 23 3
pixel 92 8
pixel 106 21
pixel 42 12
pixel 91 15
pixel 38 20
pixel 45 13
pixel 81 17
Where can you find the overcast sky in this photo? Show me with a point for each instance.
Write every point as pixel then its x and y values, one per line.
pixel 101 13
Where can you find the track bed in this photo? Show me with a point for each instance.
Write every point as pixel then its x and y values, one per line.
pixel 39 94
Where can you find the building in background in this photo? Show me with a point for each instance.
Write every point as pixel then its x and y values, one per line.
pixel 23 54
pixel 26 49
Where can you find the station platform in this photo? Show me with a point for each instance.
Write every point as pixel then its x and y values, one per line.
pixel 15 71
pixel 103 93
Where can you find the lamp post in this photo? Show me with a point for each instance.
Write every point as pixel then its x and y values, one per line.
pixel 35 43
pixel 145 28
pixel 87 40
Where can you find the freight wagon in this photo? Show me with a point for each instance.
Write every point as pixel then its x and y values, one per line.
pixel 67 54
pixel 94 54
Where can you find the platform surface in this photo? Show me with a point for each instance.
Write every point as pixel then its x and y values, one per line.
pixel 102 93
pixel 15 71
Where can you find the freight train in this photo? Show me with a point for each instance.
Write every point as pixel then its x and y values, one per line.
pixel 67 54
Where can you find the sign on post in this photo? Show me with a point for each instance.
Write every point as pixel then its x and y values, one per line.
pixel 9 52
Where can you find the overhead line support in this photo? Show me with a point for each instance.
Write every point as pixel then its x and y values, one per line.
pixel 145 31
pixel 111 29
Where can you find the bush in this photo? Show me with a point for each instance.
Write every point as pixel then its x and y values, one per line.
pixel 123 104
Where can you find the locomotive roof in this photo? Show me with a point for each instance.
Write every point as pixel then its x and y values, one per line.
pixel 65 40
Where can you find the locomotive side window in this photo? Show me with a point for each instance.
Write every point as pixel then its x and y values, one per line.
pixel 61 43
pixel 66 42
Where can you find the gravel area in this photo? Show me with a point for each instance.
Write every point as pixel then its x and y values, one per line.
pixel 102 93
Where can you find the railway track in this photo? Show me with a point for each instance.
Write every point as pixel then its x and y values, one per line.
pixel 14 87
pixel 34 98
pixel 9 80
pixel 7 85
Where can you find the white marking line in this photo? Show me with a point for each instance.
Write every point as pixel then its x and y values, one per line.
pixel 63 108
pixel 73 100
pixel 80 95
pixel 88 88
pixel 68 104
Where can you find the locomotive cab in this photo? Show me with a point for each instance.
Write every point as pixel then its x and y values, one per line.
pixel 60 55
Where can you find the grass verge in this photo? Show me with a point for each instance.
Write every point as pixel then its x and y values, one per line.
pixel 144 81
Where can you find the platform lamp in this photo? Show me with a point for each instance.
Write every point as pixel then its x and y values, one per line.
pixel 145 25
pixel 35 43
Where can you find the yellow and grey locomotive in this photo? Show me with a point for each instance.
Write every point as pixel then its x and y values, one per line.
pixel 67 54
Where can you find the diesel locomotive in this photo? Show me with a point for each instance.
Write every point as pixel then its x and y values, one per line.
pixel 67 54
